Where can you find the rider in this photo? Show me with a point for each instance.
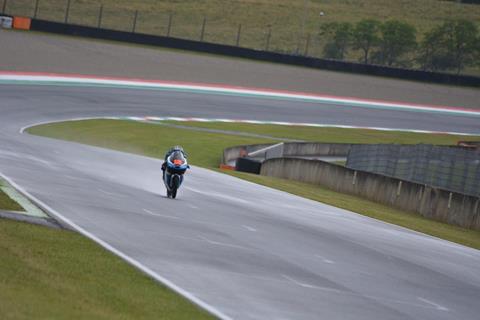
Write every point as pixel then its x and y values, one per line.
pixel 169 153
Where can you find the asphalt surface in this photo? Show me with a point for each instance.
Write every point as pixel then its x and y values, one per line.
pixel 248 251
pixel 31 51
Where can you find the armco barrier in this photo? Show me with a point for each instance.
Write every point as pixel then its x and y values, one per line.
pixel 450 207
pixel 84 31
pixel 230 155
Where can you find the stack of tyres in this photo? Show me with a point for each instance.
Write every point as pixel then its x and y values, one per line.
pixel 248 165
pixel 6 22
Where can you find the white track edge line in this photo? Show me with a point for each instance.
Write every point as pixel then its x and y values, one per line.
pixel 120 254
pixel 187 119
pixel 249 91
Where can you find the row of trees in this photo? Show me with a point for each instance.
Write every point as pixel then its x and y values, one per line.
pixel 452 45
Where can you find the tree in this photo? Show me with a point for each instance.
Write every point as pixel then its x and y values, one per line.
pixel 366 36
pixel 339 36
pixel 450 46
pixel 461 42
pixel 433 55
pixel 396 39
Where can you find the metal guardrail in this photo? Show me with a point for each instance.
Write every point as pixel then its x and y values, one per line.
pixel 451 168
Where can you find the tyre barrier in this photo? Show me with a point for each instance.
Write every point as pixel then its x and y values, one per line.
pixel 248 165
pixel 6 22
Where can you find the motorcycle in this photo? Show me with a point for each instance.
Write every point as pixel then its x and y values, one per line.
pixel 175 167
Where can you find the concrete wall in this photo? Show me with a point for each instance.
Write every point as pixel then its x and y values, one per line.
pixel 316 149
pixel 450 207
pixel 268 151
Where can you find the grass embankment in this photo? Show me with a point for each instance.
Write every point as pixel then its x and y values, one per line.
pixel 205 150
pixel 58 274
pixel 6 203
pixel 290 21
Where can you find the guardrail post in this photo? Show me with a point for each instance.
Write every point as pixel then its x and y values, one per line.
pixel 169 27
pixel 307 45
pixel 100 16
pixel 134 21
pixel 35 11
pixel 67 11
pixel 4 7
pixel 399 188
pixel 238 34
pixel 267 44
pixel 202 33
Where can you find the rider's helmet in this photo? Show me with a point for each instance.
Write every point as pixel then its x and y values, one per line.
pixel 177 158
pixel 179 148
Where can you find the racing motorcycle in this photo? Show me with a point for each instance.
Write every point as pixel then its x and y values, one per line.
pixel 176 165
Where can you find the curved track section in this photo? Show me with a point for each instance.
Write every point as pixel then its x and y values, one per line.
pixel 242 250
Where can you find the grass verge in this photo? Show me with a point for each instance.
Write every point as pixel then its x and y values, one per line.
pixel 205 150
pixel 57 274
pixel 6 203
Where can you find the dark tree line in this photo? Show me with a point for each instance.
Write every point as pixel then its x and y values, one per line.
pixel 452 45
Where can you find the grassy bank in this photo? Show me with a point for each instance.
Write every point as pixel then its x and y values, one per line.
pixel 289 21
pixel 338 135
pixel 57 274
pixel 205 150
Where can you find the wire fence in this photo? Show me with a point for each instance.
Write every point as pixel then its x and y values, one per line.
pixel 449 168
pixel 274 36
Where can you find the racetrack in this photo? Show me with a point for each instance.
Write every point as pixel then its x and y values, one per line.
pixel 243 250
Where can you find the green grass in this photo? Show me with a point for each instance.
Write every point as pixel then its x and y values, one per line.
pixel 57 274
pixel 284 17
pixel 337 135
pixel 8 204
pixel 205 150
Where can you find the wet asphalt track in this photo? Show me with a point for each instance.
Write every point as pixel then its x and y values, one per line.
pixel 247 251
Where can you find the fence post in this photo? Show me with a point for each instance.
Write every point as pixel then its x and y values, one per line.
pixel 202 33
pixel 67 11
pixel 267 44
pixel 238 33
pixel 134 21
pixel 4 8
pixel 100 16
pixel 169 27
pixel 35 12
pixel 307 45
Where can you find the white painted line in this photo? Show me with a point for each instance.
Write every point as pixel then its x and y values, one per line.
pixel 162 215
pixel 106 192
pixel 436 305
pixel 304 285
pixel 214 311
pixel 249 228
pixel 223 244
pixel 218 195
pixel 324 259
